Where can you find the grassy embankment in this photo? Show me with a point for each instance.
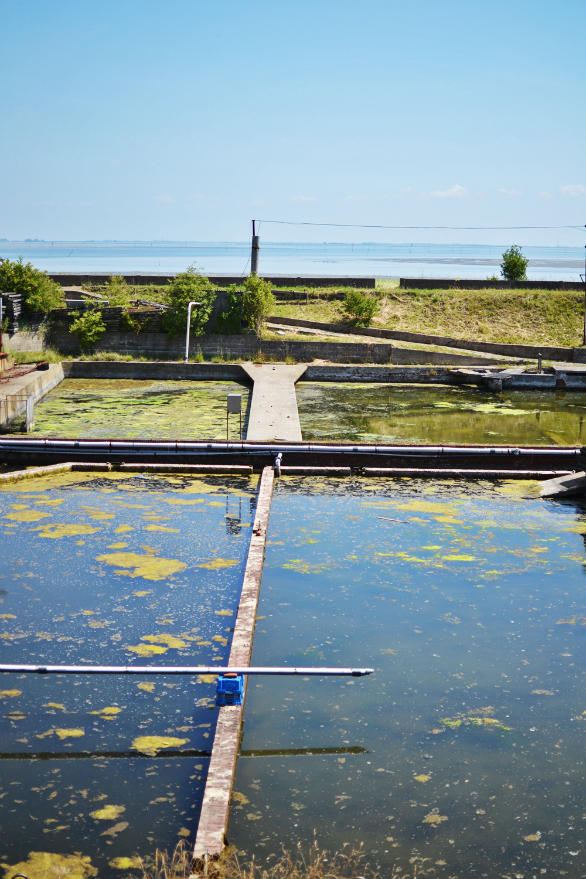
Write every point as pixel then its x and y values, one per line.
pixel 530 317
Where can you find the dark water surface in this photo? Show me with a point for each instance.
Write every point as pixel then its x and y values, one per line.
pixel 439 414
pixel 123 408
pixel 113 570
pixel 466 747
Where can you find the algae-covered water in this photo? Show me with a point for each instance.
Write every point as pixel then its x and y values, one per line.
pixel 122 408
pixel 115 570
pixel 439 414
pixel 466 747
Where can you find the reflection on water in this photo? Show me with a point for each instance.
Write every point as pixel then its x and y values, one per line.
pixel 439 414
pixel 116 408
pixel 113 570
pixel 473 614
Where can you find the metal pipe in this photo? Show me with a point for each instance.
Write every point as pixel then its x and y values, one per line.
pixel 189 307
pixel 174 448
pixel 180 670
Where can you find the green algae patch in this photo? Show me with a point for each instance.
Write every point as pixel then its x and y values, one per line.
pixel 519 488
pixel 151 745
pixel 219 564
pixel 61 529
pixel 169 640
pixel 108 813
pixel 26 516
pixel 434 817
pixel 125 863
pixel 46 865
pixel 147 649
pixel 147 566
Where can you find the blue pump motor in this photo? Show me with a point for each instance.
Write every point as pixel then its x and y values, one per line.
pixel 230 690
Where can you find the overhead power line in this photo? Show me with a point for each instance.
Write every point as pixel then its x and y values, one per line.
pixel 461 228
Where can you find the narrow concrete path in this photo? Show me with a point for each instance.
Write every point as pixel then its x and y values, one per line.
pixel 15 388
pixel 273 410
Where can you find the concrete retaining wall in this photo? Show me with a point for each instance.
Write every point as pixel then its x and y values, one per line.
pixel 249 347
pixel 76 279
pixel 479 284
pixel 548 352
pixel 157 370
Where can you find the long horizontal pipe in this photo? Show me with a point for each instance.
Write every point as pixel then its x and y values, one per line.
pixel 180 670
pixel 129 447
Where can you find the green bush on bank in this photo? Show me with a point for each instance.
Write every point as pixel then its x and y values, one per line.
pixel 360 308
pixel 189 286
pixel 514 265
pixel 258 302
pixel 88 327
pixel 39 292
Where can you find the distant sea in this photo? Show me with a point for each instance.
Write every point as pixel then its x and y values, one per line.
pixel 233 258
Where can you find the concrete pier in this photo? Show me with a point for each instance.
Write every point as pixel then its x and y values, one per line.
pixel 273 410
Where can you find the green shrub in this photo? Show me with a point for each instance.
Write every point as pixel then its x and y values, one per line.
pixel 258 302
pixel 39 292
pixel 188 287
pixel 514 265
pixel 117 291
pixel 229 321
pixel 88 327
pixel 360 308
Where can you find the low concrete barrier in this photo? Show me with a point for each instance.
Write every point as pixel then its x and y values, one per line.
pixel 480 284
pixel 76 279
pixel 249 348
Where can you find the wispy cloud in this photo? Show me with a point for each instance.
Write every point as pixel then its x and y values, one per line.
pixel 573 190
pixel 545 194
pixel 510 193
pixel 259 202
pixel 302 198
pixel 455 191
pixel 166 199
pixel 355 198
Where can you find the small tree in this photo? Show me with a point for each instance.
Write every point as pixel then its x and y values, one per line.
pixel 514 265
pixel 258 302
pixel 360 308
pixel 117 291
pixel 188 287
pixel 39 292
pixel 88 327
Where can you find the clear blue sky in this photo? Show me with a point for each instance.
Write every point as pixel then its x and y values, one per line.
pixel 133 119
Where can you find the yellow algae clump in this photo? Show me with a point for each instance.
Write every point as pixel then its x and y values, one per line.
pixel 459 558
pixel 147 649
pixel 7 616
pixel 125 863
pixel 422 778
pixel 211 679
pixel 427 507
pixel 151 745
pixel 218 564
pixel 184 501
pixel 184 832
pixel 54 705
pixel 51 502
pixel 122 529
pixel 147 687
pixel 161 528
pixel 69 733
pixel 169 640
pixel 240 798
pixel 46 865
pixel 27 516
pixel 147 566
pixel 61 529
pixel 533 837
pixel 144 592
pixel 96 514
pixel 434 818
pixel 119 545
pixel 221 639
pixel 108 713
pixel 519 488
pixel 108 813
pixel 10 693
pixel 225 613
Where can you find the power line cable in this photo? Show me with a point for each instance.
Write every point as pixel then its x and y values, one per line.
pixel 461 228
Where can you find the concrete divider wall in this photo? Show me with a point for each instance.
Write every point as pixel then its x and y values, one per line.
pixel 480 284
pixel 548 352
pixel 249 347
pixel 75 279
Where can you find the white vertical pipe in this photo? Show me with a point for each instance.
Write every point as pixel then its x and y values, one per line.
pixel 189 307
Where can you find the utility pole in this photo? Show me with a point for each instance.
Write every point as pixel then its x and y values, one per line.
pixel 254 252
pixel 584 279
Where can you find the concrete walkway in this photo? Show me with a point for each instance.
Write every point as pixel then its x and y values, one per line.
pixel 15 388
pixel 273 411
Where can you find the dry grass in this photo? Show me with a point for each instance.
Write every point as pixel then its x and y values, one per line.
pixel 546 317
pixel 317 864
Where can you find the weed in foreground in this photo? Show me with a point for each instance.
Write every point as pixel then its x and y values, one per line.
pixel 316 865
